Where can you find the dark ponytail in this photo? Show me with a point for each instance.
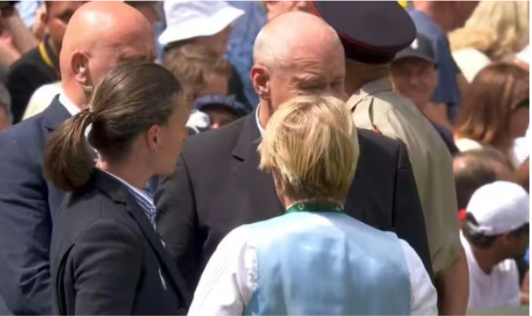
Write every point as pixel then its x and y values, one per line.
pixel 130 98
pixel 67 162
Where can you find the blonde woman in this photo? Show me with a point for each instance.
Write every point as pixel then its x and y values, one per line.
pixel 314 259
pixel 495 30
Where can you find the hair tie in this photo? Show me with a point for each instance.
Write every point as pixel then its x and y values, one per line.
pixel 89 115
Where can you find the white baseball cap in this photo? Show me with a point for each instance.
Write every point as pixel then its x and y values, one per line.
pixel 190 19
pixel 500 207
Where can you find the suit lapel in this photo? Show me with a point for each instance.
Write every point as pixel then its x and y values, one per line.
pixel 155 241
pixel 55 114
pixel 118 193
pixel 256 187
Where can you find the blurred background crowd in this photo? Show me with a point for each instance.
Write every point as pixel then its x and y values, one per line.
pixel 467 72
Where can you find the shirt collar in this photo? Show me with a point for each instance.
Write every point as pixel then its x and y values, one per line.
pixel 69 105
pixel 261 129
pixel 143 194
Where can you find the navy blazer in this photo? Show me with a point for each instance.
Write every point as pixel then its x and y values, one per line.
pixel 107 259
pixel 28 208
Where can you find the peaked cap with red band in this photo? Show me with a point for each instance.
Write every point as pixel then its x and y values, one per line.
pixel 371 31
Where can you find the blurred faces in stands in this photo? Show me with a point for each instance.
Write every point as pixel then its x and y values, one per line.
pixel 148 9
pixel 276 8
pixel 496 108
pixel 56 17
pixel 198 27
pixel 449 15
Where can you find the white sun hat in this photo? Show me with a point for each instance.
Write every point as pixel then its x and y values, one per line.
pixel 190 19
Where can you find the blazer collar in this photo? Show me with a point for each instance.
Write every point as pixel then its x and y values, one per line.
pixel 55 114
pixel 119 194
pixel 256 187
pixel 249 138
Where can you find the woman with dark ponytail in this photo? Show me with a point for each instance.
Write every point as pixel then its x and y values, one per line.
pixel 106 256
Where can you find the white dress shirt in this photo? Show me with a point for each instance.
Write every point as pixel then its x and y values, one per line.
pixel 230 277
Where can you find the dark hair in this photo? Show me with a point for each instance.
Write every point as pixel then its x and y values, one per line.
pixel 481 240
pixel 130 99
pixel 476 174
pixel 494 95
pixel 478 170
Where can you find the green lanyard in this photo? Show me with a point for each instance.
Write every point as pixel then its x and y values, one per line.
pixel 314 207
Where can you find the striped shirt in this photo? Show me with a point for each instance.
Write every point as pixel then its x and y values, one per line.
pixel 143 198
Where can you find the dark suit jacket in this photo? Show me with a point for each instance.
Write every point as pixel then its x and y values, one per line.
pixel 28 207
pixel 28 74
pixel 217 187
pixel 107 259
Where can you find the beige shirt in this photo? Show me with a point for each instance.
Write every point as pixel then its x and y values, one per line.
pixel 377 107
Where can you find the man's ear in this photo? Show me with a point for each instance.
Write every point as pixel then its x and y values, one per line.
pixel 260 77
pixel 79 67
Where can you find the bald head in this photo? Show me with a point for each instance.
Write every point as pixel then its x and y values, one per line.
pixel 293 34
pixel 100 34
pixel 296 54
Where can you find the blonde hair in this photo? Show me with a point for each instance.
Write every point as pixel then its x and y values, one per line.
pixel 496 28
pixel 311 146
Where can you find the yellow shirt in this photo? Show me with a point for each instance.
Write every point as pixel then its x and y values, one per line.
pixel 377 107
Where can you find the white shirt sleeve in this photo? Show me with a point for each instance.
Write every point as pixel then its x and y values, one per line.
pixel 226 284
pixel 424 298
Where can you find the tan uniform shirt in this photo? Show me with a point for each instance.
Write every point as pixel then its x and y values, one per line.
pixel 377 107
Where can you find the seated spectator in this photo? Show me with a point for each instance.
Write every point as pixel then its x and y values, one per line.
pixel 414 74
pixel 264 268
pixel 221 110
pixel 200 30
pixel 495 30
pixel 276 8
pixel 40 65
pixel 496 231
pixel 243 34
pixel 495 111
pixel 5 106
pixel 148 9
pixel 434 19
pixel 476 168
pixel 201 75
pixel 15 38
